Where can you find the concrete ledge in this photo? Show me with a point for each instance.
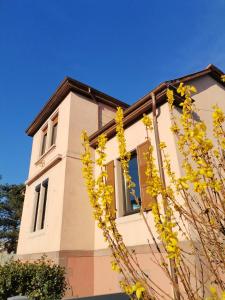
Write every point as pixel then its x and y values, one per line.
pixel 52 163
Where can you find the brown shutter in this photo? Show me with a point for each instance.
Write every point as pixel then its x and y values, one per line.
pixel 146 199
pixel 111 181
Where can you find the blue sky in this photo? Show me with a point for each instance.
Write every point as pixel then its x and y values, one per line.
pixel 121 47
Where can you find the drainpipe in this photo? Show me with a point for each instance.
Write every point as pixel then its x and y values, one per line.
pixel 99 110
pixel 157 142
pixel 163 181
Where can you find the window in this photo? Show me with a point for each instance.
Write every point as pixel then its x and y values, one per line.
pixel 40 206
pixel 45 187
pixel 49 134
pixel 44 140
pixel 54 130
pixel 37 199
pixel 125 202
pixel 131 205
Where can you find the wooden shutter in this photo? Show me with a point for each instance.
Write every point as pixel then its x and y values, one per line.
pixel 111 181
pixel 146 199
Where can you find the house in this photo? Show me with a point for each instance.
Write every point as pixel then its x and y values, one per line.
pixel 57 218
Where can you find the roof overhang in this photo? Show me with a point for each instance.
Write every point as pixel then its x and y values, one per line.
pixel 144 105
pixel 70 85
pixel 133 114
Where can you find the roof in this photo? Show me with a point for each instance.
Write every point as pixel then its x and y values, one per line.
pixel 144 105
pixel 70 85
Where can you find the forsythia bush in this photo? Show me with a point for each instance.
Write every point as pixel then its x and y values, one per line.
pixel 40 280
pixel 188 210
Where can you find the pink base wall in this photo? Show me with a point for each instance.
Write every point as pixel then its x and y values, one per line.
pixel 90 276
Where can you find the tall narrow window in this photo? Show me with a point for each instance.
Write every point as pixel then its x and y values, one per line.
pixel 131 205
pixel 45 186
pixel 37 200
pixel 44 140
pixel 54 129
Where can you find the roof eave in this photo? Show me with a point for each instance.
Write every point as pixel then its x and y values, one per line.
pixel 131 116
pixel 70 85
pixel 143 105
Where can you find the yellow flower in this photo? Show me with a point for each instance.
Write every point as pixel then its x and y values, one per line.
pixel 147 122
pixel 175 128
pixel 223 78
pixel 138 289
pixel 213 290
pixel 186 90
pixel 182 183
pixel 218 114
pixel 170 97
pixel 181 89
pixel 126 287
pixel 216 185
pixel 223 143
pixel 200 187
pixel 115 267
pixel 162 145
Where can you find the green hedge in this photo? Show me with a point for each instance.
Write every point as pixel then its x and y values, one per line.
pixel 39 280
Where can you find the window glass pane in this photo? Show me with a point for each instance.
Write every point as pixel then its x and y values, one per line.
pixel 133 166
pixel 45 186
pixel 54 133
pixel 130 203
pixel 36 207
pixel 44 143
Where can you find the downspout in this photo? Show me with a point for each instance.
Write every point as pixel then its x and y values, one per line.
pixel 99 110
pixel 157 142
pixel 163 181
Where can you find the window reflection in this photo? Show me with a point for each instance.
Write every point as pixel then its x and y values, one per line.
pixel 131 205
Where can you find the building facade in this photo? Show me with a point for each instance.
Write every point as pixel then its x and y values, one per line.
pixel 57 217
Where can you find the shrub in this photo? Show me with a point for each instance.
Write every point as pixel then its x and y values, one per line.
pixel 6 257
pixel 38 280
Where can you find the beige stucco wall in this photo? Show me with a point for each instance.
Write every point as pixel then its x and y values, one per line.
pixel 78 227
pixel 209 92
pixel 63 111
pixel 69 224
pixel 47 239
pixel 132 227
pixel 107 114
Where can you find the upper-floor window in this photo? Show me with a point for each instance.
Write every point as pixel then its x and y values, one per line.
pixel 49 134
pixel 44 140
pixel 54 130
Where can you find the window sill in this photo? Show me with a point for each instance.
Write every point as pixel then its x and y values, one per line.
pixel 37 233
pixel 46 153
pixel 129 218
